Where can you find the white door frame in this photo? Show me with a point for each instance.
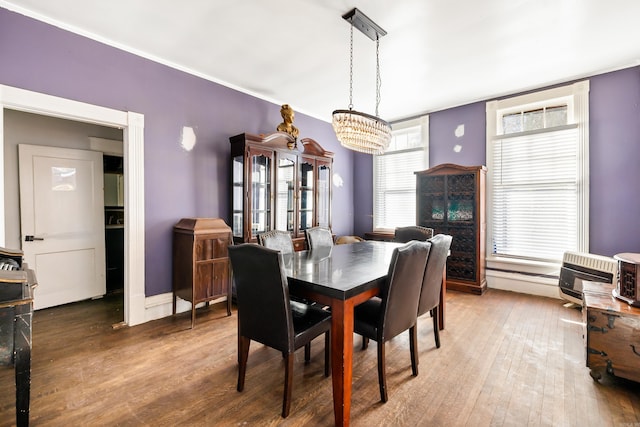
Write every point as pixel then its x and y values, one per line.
pixel 132 125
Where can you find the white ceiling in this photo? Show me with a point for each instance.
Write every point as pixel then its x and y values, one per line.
pixel 436 54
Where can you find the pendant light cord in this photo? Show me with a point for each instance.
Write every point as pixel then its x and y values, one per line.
pixel 378 80
pixel 351 70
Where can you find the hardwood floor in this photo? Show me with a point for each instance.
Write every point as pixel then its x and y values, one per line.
pixel 506 360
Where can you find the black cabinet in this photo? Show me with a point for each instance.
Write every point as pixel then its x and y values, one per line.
pixel 451 200
pixel 114 251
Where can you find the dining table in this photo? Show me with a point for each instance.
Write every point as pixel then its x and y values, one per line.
pixel 341 277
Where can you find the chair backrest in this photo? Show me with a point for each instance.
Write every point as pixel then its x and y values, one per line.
pixel 432 281
pixel 341 240
pixel 262 295
pixel 401 292
pixel 318 237
pixel 412 232
pixel 278 240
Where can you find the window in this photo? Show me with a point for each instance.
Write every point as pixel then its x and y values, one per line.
pixel 537 155
pixel 394 182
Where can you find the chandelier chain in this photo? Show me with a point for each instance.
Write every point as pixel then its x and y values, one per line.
pixel 351 70
pixel 378 80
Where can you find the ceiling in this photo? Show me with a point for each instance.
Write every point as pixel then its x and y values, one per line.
pixel 437 53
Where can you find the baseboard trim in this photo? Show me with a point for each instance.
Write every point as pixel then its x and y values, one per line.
pixel 159 306
pixel 521 283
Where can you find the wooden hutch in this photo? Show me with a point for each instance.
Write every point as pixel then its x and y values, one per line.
pixel 278 183
pixel 451 200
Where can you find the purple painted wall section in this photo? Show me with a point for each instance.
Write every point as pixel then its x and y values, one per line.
pixel 614 111
pixel 42 58
pixel 443 141
pixel 614 162
pixel 362 194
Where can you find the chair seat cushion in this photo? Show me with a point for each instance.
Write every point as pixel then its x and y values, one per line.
pixel 366 318
pixel 309 321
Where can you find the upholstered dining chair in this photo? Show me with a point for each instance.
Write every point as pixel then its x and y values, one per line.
pixel 342 240
pixel 432 281
pixel 266 315
pixel 382 318
pixel 318 237
pixel 412 232
pixel 278 240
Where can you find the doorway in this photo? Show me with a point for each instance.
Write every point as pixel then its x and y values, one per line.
pixel 132 125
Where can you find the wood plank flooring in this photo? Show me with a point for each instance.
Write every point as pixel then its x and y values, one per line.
pixel 506 360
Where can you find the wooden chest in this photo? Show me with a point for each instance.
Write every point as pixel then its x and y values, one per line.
pixel 612 333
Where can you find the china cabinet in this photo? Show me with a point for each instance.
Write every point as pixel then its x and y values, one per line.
pixel 278 183
pixel 451 200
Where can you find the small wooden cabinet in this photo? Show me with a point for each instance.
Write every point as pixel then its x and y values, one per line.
pixel 451 200
pixel 612 333
pixel 278 183
pixel 201 269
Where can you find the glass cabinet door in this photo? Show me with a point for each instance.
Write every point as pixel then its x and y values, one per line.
pixel 238 196
pixel 285 192
pixel 324 194
pixel 305 206
pixel 260 194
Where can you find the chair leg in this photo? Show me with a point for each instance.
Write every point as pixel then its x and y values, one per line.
pixel 327 354
pixel 307 352
pixel 288 383
pixel 413 346
pixel 365 343
pixel 243 355
pixel 436 326
pixel 382 379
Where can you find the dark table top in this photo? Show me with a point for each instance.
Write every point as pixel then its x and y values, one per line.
pixel 341 271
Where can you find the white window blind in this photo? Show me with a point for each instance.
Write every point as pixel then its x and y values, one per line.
pixel 538 172
pixel 535 194
pixel 394 181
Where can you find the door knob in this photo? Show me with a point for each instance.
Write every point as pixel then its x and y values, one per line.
pixel 29 238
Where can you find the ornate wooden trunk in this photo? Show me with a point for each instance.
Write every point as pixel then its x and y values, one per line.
pixel 612 333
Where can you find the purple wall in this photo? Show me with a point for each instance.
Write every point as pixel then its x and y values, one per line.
pixel 614 162
pixel 471 145
pixel 614 138
pixel 42 58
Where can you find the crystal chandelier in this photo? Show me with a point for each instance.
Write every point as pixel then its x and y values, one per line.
pixel 355 130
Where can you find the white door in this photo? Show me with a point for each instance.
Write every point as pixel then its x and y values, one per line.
pixel 62 222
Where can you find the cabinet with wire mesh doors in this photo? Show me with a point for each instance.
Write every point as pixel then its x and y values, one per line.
pixel 611 333
pixel 201 269
pixel 450 199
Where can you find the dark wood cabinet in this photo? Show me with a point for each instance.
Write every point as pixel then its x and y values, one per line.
pixel 451 200
pixel 201 270
pixel 278 183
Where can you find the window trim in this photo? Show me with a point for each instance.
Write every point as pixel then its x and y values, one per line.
pixel 423 122
pixel 578 114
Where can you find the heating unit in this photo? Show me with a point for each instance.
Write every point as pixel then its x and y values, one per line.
pixel 579 266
